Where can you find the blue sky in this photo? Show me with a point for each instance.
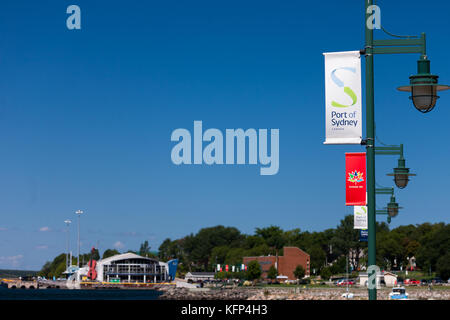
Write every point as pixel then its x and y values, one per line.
pixel 86 117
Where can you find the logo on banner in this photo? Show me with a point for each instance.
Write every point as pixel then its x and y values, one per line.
pixel 355 185
pixel 343 97
pixel 360 217
pixel 355 177
pixel 347 89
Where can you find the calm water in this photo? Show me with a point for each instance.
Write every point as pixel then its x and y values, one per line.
pixel 62 294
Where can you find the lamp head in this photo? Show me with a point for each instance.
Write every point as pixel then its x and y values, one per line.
pixel 401 174
pixel 392 208
pixel 424 87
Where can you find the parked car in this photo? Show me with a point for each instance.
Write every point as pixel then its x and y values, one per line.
pixel 437 281
pixel 345 282
pixel 411 282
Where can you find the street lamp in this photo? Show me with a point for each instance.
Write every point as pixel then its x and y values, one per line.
pixel 67 222
pixel 78 212
pixel 424 87
pixel 392 208
pixel 401 174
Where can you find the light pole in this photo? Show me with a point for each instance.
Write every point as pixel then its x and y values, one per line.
pixel 78 212
pixel 67 222
pixel 423 88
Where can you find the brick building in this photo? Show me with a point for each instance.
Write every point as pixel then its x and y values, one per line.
pixel 291 258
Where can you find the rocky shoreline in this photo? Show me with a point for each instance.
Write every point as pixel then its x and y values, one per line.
pixel 241 293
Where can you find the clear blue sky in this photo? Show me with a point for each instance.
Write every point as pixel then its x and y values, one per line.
pixel 86 118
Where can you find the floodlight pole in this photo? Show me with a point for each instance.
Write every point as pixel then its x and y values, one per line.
pixel 78 212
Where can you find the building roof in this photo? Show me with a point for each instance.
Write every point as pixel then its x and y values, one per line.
pixel 201 273
pixel 124 256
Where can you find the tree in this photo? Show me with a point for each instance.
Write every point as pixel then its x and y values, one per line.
pixel 339 266
pixel 144 249
pixel 299 272
pixel 54 268
pixel 253 270
pixel 272 273
pixel 273 236
pixel 346 240
pixel 318 256
pixel 443 266
pixel 109 253
pixel 434 243
pixel 325 273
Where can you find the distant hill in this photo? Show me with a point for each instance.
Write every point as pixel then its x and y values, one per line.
pixel 4 273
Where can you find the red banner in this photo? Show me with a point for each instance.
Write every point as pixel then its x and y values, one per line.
pixel 355 179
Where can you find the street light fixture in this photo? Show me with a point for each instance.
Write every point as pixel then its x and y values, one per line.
pixel 401 174
pixel 392 208
pixel 424 87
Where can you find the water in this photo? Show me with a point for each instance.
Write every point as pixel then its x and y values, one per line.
pixel 64 294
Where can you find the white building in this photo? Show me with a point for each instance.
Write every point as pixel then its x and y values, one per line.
pixel 129 268
pixel 199 276
pixel 389 278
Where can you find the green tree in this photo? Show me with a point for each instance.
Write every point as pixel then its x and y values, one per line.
pixel 272 273
pixel 346 240
pixel 109 253
pixel 253 270
pixel 443 266
pixel 273 236
pixel 339 266
pixel 54 268
pixel 325 273
pixel 317 256
pixel 207 238
pixel 299 272
pixel 434 243
pixel 144 250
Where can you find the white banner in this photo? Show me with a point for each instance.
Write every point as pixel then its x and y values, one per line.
pixel 360 217
pixel 343 98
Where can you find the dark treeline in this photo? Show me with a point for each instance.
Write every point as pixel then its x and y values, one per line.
pixel 428 243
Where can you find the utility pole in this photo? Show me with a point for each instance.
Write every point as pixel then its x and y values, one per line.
pixel 78 212
pixel 68 222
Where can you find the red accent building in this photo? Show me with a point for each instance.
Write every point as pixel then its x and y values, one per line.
pixel 291 258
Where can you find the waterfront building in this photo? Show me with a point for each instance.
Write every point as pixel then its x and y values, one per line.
pixel 285 264
pixel 129 268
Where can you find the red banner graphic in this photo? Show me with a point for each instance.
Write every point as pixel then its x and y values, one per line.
pixel 355 179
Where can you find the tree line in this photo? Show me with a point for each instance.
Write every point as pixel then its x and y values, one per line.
pixel 428 243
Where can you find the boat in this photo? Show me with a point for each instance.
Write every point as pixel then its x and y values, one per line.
pixel 398 293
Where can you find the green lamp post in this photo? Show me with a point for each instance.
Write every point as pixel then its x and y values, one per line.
pixel 423 87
